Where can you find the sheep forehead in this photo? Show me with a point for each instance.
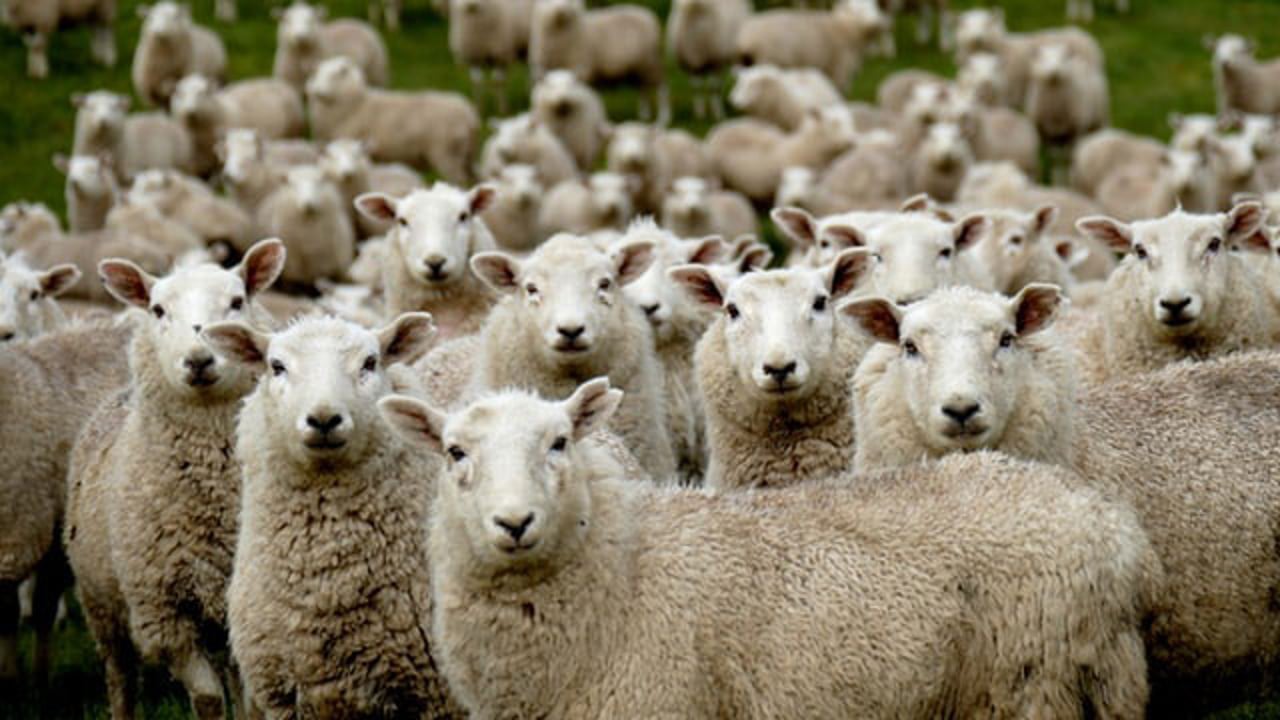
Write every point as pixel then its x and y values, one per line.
pixel 519 174
pixel 910 228
pixel 693 185
pixel 559 80
pixel 570 259
pixel 440 202
pixel 608 182
pixel 1231 45
pixel 774 290
pixel 101 102
pixel 83 166
pixel 194 285
pixel 488 421
pixel 956 312
pixel 316 337
pixel 1177 231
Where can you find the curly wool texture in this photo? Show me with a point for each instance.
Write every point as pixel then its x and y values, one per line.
pixel 340 559
pixel 980 587
pixel 756 444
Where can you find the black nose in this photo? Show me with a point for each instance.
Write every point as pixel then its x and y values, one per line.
pixel 6 337
pixel 198 364
pixel 571 333
pixel 516 529
pixel 780 373
pixel 1175 307
pixel 961 413
pixel 650 309
pixel 324 424
pixel 435 266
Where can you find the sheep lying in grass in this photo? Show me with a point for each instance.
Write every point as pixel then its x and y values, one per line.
pixel 39 19
pixel 1179 293
pixel 773 372
pixel 694 208
pixel 90 190
pixel 136 142
pixel 155 488
pixel 28 304
pixel 329 488
pixel 271 107
pixel 309 214
pixel 564 589
pixel 656 157
pixel 525 140
pixel 427 266
pixel 304 40
pixel 564 319
pixel 171 47
pixel 574 112
pixel 1190 447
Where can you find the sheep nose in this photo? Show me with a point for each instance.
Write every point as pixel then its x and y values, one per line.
pixel 780 372
pixel 324 424
pixel 515 528
pixel 649 310
pixel 1175 307
pixel 198 363
pixel 961 413
pixel 435 264
pixel 571 333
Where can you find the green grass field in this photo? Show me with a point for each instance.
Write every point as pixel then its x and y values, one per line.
pixel 1155 59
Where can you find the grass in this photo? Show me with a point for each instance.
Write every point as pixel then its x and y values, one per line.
pixel 1156 65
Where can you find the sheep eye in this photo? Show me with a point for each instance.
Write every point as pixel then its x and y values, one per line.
pixel 1015 240
pixel 824 244
pixel 157 311
pixel 732 309
pixel 877 257
pixel 559 444
pixel 1140 251
pixel 605 283
pixel 35 295
pixel 531 289
pixel 463 216
pixel 945 253
pixel 403 222
pixel 277 368
pixel 237 304
pixel 370 364
pixel 910 349
pixel 1006 340
pixel 1214 246
pixel 820 303
pixel 457 453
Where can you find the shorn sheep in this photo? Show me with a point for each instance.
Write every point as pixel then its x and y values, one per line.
pixel 304 40
pixel 773 372
pixel 565 589
pixel 1191 447
pixel 39 19
pixel 331 540
pixel 171 47
pixel 155 487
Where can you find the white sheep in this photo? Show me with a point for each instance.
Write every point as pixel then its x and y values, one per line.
pixel 702 36
pixel 512 217
pixel 155 487
pixel 1177 179
pixel 872 175
pixel 941 161
pixel 574 112
pixel 831 41
pixel 134 142
pixel 601 202
pixel 271 107
pixel 1234 161
pixel 426 264
pixel 28 298
pixel 347 164
pixel 171 47
pixel 37 20
pixel 975 587
pixel 192 203
pixel 782 96
pixel 800 187
pixel 304 40
pixel 983 30
pixel 655 157
pixel 90 190
pixel 426 130
pixel 327 487
pixel 1102 153
pixel 1014 250
pixel 1241 81
pixel 525 140
pixel 695 208
pixel 998 134
pixel 252 168
pixel 1067 97
pixel 893 93
pixel 484 36
pixel 309 214
pixel 749 155
pixel 982 77
pixel 145 223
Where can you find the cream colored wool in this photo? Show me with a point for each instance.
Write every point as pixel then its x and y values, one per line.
pixel 191 202
pixel 37 20
pixel 143 222
pixel 749 155
pixel 28 298
pixel 304 40
pixel 656 157
pixel 693 208
pixel 575 113
pixel 310 215
pixel 1098 155
pixel 1013 251
pixel 270 107
pixel 135 142
pixel 347 164
pixel 827 40
pixel 1017 51
pixel 171 47
pixel 982 587
pixel 524 140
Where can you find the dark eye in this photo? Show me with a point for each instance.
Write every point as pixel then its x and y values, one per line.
pixel 945 253
pixel 558 445
pixel 277 368
pixel 1214 246
pixel 370 364
pixel 1140 251
pixel 910 349
pixel 157 311
pixel 403 222
pixel 605 283
pixel 237 304
pixel 824 244
pixel 531 289
pixel 457 453
pixel 35 295
pixel 1006 340
pixel 464 216
pixel 733 311
pixel 820 303
pixel 1015 240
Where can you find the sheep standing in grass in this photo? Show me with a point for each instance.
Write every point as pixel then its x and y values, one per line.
pixel 564 319
pixel 1241 81
pixel 173 46
pixel 484 36
pixel 828 40
pixel 155 486
pixel 268 106
pixel 28 304
pixel 655 157
pixel 574 112
pixel 426 130
pixel 426 264
pixel 310 215
pixel 782 96
pixel 90 191
pixel 694 208
pixel 137 142
pixel 980 587
pixel 512 217
pixel 525 140
pixel 329 488
pixel 39 19
pixel 984 30
pixel 749 155
pixel 773 372
pixel 304 40
pixel 702 36
pixel 1067 97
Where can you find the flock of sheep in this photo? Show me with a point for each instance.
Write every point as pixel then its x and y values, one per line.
pixel 556 443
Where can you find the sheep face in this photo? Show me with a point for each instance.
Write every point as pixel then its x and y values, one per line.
pixel 979 31
pixel 797 188
pixel 559 96
pixel 90 176
pixel 520 184
pixel 20 219
pixel 345 161
pixel 100 115
pixel 310 190
pixel 962 362
pixel 832 127
pixel 1265 245
pixel 149 185
pixel 1232 49
pixel 194 101
pixel 241 152
pixel 167 21
pixel 300 26
pixel 914 254
pixel 865 18
pixel 185 302
pixel 1189 179
pixel 630 149
pixel 660 298
pixel 930 103
pixel 336 78
pixel 1235 158
pixel 982 78
pixel 945 150
pixel 436 231
pixel 569 291
pixel 1192 132
pixel 686 203
pixel 560 15
pixel 1008 243
pixel 611 198
pixel 1261 133
pixel 27 306
pixel 510 496
pixel 752 84
pixel 1181 262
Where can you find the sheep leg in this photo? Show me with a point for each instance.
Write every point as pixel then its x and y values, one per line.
pixel 225 10
pixel 498 78
pixel 203 685
pixel 698 91
pixel 9 612
pixel 663 102
pixel 924 24
pixel 121 667
pixel 53 577
pixel 37 57
pixel 104 45
pixel 717 96
pixel 391 14
pixel 375 11
pixel 476 75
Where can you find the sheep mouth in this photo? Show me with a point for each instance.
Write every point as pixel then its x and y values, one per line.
pixel 1177 321
pixel 324 443
pixel 967 431
pixel 202 380
pixel 516 548
pixel 571 347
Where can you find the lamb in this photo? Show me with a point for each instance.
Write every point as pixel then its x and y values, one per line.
pixel 525 140
pixel 1171 444
pixel 91 190
pixel 693 208
pixel 193 204
pixel 134 142
pixel 484 36
pixel 655 157
pixel 749 155
pixel 39 19
pixel 773 372
pixel 28 298
pixel 268 106
pixel 702 36
pixel 426 130
pixel 171 47
pixel 983 30
pixel 426 264
pixel 310 216
pixel 618 42
pixel 870 176
pixel 828 40
pixel 1179 293
pixel 603 202
pixel 1066 95
pixel 574 112
pixel 675 574
pixel 512 217
pixel 1241 81
pixel 941 161
pixel 1014 251
pixel 782 96
pixel 346 163
pixel 563 318
pixel 304 41
pixel 329 487
pixel 154 489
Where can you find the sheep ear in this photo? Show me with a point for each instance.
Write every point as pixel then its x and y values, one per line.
pixel 262 265
pixel 58 279
pixel 236 341
pixel 407 338
pixel 1259 241
pixel 1244 220
pixel 700 284
pixel 127 282
pixel 415 421
pixel 62 163
pixel 377 206
pixel 591 406
pixel 796 224
pixel 1117 235
pixel 707 250
pixel 1044 217
pixel 498 270
pixel 632 259
pixel 968 230
pixel 846 235
pixel 481 197
pixel 1036 307
pixel 917 203
pixel 755 258
pixel 878 316
pixel 847 270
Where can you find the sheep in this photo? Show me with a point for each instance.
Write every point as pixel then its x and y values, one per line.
pixel 426 130
pixel 193 204
pixel 602 202
pixel 1098 155
pixel 702 36
pixel 484 37
pixel 655 157
pixel 253 168
pixel 28 298
pixel 694 208
pixel 134 142
pixel 1066 96
pixel 426 264
pixel 171 47
pixel 898 87
pixel 782 96
pixel 563 318
pixel 982 77
pixel 512 217
pixel 1177 179
pixel 749 155
pixel 144 223
pixel 346 163
pixel 1241 82
pixel 90 192
pixel 1179 293
pixel 997 134
pixel 52 383
pixel 974 588
pixel 36 20
pixel 1235 167
pixel 614 43
pixel 26 225
pixel 1171 444
pixel 1014 251
pixel 525 140
pixel 772 370
pixel 798 187
pixel 154 488
pixel 574 112
pixel 271 107
pixel 983 30
pixel 872 175
pixel 941 161
pixel 1191 131
pixel 309 214
pixel 831 41
pixel 328 487
pixel 1082 10
pixel 816 242
pixel 304 41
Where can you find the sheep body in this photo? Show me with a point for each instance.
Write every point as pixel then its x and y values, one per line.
pixel 309 214
pixel 693 209
pixel 574 112
pixel 304 41
pixel 524 140
pixel 172 47
pixel 192 203
pixel 134 142
pixel 781 96
pixel 39 19
pixel 271 107
pixel 750 155
pixel 802 38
